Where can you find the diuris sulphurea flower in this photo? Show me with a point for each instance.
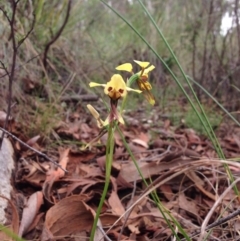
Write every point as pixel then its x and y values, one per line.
pixel 116 88
pixel 142 80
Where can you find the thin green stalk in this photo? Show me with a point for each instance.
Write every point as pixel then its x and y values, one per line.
pixel 215 100
pixel 10 233
pixel 163 62
pixel 208 127
pixel 109 158
pixel 210 133
pixel 154 194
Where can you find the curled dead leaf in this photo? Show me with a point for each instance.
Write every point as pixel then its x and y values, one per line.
pixel 29 212
pixel 68 216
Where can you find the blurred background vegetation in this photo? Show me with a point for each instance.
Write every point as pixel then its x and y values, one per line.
pixel 94 41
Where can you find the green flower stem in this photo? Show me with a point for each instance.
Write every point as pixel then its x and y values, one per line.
pixel 203 118
pixel 215 100
pixel 154 195
pixel 109 158
pixel 132 79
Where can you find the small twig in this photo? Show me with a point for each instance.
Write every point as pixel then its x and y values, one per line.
pixel 128 212
pixel 11 74
pixel 57 35
pixel 207 218
pixel 14 57
pixel 5 15
pixel 28 33
pixel 216 223
pixel 18 67
pixel 31 148
pixel 5 69
pixel 104 233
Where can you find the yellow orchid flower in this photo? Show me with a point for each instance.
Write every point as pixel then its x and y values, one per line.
pixel 142 81
pixel 144 73
pixel 116 88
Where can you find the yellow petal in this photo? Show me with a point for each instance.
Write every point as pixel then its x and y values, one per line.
pixel 142 64
pixel 151 101
pixel 130 89
pixel 106 122
pixel 150 98
pixel 93 84
pixel 120 119
pixel 125 67
pixel 150 68
pixel 116 87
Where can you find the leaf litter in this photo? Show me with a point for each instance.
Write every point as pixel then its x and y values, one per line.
pixel 178 163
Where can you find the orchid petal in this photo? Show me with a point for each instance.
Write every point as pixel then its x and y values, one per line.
pixel 150 68
pixel 142 64
pixel 93 84
pixel 125 67
pixel 130 89
pixel 120 119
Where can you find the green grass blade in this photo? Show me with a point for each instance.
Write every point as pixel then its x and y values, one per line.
pixel 215 100
pixel 205 121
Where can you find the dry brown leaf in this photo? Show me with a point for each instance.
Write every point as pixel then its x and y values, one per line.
pixel 167 191
pixel 33 140
pixel 171 160
pixel 189 206
pixel 108 219
pixel 59 173
pixel 54 175
pixel 115 203
pixel 137 208
pixel 199 184
pixel 82 182
pixel 133 227
pixel 35 172
pixel 140 142
pixel 68 216
pixel 101 162
pixel 29 212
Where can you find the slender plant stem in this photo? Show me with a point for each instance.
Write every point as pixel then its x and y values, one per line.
pixel 109 158
pixel 202 117
pixel 154 195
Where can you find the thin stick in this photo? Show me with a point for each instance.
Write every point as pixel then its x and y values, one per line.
pixel 207 218
pixel 31 148
pixel 57 34
pixel 128 212
pixel 15 47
